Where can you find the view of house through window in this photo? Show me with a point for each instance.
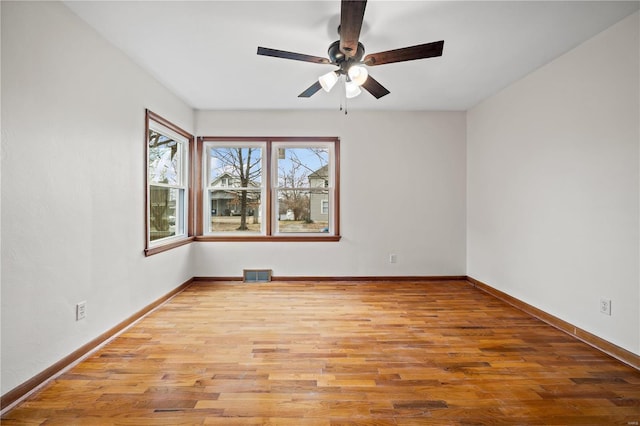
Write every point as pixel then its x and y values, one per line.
pixel 235 188
pixel 251 188
pixel 269 187
pixel 302 188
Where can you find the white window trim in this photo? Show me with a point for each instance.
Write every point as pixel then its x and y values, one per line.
pixel 275 147
pixel 206 190
pixel 182 218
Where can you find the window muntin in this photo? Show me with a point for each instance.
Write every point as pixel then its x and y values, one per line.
pixel 168 180
pixel 289 204
pixel 233 175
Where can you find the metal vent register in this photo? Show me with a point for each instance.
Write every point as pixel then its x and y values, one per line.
pixel 256 275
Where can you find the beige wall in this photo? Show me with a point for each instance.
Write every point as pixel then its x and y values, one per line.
pixel 402 191
pixel 73 187
pixel 553 187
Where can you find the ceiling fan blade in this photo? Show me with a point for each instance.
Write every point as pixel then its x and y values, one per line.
pixel 372 86
pixel 311 90
pixel 351 16
pixel 421 51
pixel 265 51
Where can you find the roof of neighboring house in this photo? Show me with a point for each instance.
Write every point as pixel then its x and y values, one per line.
pixel 321 173
pixel 222 195
pixel 234 181
pixel 225 175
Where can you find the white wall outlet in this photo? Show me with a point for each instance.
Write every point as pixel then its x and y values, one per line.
pixel 81 310
pixel 605 306
pixel 393 258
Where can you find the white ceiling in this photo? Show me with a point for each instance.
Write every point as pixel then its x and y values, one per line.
pixel 205 51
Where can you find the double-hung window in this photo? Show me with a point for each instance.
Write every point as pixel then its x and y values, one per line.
pixel 234 187
pixel 168 185
pixel 302 175
pixel 262 189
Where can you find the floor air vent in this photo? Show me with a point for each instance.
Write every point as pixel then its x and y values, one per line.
pixel 256 275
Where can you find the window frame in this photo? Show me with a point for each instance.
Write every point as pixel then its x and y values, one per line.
pixel 270 183
pixel 325 186
pixel 204 189
pixel 158 246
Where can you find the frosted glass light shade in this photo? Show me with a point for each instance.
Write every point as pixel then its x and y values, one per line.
pixel 327 81
pixel 358 74
pixel 352 89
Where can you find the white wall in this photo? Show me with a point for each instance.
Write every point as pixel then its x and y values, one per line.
pixel 73 188
pixel 402 191
pixel 553 187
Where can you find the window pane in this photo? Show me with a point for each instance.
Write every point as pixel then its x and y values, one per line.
pixel 165 217
pixel 235 211
pixel 303 167
pixel 303 211
pixel 164 159
pixel 235 167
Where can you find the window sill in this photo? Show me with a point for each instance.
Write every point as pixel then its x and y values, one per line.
pixel 265 238
pixel 159 249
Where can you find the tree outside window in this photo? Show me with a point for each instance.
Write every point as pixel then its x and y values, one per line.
pixel 268 187
pixel 234 175
pixel 167 198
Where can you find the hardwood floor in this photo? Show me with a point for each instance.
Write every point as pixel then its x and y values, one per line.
pixel 320 353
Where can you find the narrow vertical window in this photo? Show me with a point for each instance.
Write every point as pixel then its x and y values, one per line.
pixel 168 184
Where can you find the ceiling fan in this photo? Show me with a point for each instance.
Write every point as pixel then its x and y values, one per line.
pixel 347 54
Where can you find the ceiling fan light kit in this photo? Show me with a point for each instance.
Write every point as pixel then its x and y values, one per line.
pixel 351 89
pixel 358 74
pixel 347 54
pixel 328 80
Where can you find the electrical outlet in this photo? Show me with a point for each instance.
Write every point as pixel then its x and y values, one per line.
pixel 81 310
pixel 605 306
pixel 393 258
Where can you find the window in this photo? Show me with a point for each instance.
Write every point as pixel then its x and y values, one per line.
pixel 168 181
pixel 300 175
pixel 234 188
pixel 324 207
pixel 269 189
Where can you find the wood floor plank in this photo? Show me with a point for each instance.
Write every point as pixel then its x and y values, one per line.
pixel 338 353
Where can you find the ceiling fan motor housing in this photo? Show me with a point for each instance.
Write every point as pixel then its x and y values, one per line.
pixel 337 57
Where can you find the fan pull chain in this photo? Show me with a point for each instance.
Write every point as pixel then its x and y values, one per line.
pixel 345 104
pixel 344 96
